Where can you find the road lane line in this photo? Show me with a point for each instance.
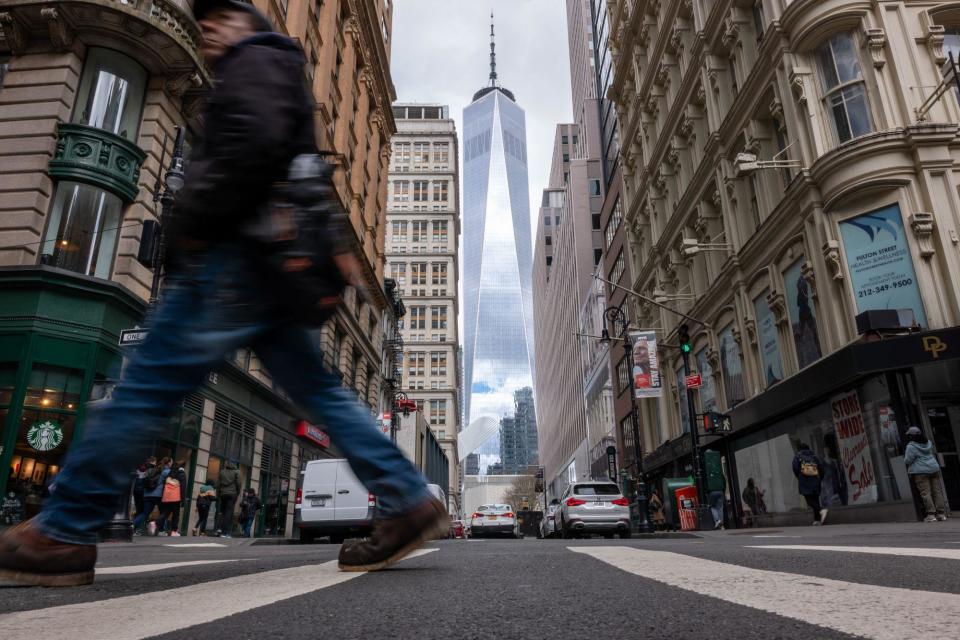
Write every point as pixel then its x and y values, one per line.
pixel 146 568
pixel 158 612
pixel 884 613
pixel 943 554
pixel 195 545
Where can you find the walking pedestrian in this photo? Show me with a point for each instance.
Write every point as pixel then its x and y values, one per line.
pixel 174 491
pixel 226 288
pixel 153 479
pixel 923 467
pixel 248 511
pixel 716 485
pixel 228 488
pixel 808 468
pixel 205 499
pixel 138 488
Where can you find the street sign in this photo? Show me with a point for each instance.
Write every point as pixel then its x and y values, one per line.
pixel 714 422
pixel 131 337
pixel 694 381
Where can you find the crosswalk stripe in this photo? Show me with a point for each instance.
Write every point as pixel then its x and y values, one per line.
pixel 194 545
pixel 147 568
pixel 884 613
pixel 944 554
pixel 155 613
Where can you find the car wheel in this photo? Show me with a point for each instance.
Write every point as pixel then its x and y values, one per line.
pixel 565 533
pixel 624 535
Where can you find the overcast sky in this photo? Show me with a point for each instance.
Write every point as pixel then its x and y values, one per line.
pixel 441 54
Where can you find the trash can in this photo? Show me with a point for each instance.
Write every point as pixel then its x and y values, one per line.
pixel 687 507
pixel 670 508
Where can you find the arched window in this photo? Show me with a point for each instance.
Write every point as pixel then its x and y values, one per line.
pixel 844 91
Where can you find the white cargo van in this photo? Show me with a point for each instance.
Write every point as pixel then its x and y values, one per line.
pixel 332 502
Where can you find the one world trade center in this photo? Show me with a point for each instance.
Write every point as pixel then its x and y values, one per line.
pixel 498 316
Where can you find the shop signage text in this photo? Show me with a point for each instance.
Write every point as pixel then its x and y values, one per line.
pixel 694 381
pixel 854 445
pixel 314 434
pixel 130 337
pixel 934 346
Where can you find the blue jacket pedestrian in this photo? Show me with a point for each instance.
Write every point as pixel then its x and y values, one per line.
pixel 919 458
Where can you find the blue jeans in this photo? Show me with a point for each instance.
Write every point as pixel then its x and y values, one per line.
pixel 148 504
pixel 247 526
pixel 716 499
pixel 218 302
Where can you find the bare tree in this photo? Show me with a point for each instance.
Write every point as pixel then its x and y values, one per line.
pixel 521 492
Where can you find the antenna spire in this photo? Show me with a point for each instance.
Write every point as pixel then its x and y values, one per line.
pixel 493 55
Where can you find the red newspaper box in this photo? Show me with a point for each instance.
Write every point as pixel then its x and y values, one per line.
pixel 687 506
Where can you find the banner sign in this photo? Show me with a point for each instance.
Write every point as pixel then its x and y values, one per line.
pixel 880 264
pixel 313 434
pixel 646 367
pixel 693 381
pixel 854 448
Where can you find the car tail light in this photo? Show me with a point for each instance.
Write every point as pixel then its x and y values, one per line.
pixel 477 515
pixel 508 514
pixel 371 500
pixel 575 502
pixel 299 496
pixel 622 502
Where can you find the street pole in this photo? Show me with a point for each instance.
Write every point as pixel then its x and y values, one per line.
pixel 702 507
pixel 172 183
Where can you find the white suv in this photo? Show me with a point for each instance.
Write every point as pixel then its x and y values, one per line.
pixel 492 519
pixel 593 507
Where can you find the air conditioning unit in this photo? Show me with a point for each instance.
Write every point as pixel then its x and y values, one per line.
pixel 887 320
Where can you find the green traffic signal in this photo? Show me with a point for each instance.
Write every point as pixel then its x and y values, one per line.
pixel 685 347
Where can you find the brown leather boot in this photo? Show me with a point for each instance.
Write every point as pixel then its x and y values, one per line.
pixel 29 557
pixel 394 538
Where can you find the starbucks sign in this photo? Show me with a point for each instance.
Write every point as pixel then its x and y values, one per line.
pixel 45 436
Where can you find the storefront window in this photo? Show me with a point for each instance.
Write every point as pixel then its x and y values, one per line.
pixel 708 395
pixel 768 341
pixel 682 401
pixel 857 436
pixel 803 320
pixel 111 93
pixel 731 368
pixel 83 229
pixel 275 461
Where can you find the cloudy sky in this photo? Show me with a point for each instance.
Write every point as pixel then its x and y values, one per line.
pixel 441 54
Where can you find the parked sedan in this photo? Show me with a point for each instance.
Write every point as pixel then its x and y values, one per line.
pixel 594 507
pixel 548 526
pixel 494 519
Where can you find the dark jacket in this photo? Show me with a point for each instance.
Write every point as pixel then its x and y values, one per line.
pixel 259 115
pixel 809 485
pixel 229 482
pixel 249 506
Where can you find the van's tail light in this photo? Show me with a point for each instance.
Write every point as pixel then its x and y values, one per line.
pixel 508 514
pixel 622 502
pixel 299 496
pixel 371 500
pixel 575 502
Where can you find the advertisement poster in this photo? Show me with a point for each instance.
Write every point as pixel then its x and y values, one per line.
pixel 646 368
pixel 854 448
pixel 803 320
pixel 708 396
pixel 769 343
pixel 881 268
pixel 731 367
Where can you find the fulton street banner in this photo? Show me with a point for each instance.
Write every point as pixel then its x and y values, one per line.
pixel 646 368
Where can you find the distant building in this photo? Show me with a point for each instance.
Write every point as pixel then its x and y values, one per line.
pixel 471 465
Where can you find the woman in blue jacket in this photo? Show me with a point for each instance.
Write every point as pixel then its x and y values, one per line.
pixel 923 467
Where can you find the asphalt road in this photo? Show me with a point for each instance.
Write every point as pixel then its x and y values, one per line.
pixel 884 581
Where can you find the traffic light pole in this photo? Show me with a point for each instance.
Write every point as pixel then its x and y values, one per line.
pixel 704 515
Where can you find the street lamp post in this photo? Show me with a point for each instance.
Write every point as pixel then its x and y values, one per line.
pixel 172 184
pixel 613 316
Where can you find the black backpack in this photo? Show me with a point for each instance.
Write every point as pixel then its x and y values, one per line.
pixel 152 480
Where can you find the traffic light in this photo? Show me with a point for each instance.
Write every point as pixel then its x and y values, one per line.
pixel 683 336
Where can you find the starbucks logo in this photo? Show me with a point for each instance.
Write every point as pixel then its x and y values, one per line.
pixel 44 436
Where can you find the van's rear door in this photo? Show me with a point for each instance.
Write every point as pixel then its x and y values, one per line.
pixel 352 502
pixel 319 491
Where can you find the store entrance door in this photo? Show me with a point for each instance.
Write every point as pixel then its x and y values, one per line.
pixel 945 424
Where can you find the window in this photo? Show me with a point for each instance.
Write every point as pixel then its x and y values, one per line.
pixel 441 154
pixel 398 271
pixel 111 93
pixel 421 155
pixel 731 367
pixel 623 375
pixel 574 138
pixel 83 229
pixel 439 273
pixel 402 155
pixel 438 412
pixel 619 266
pixel 546 220
pixel 548 240
pixel 416 363
pixel 440 232
pixel 418 317
pixel 597 256
pixel 682 403
pixel 398 231
pixel 438 363
pixel 401 191
pixel 549 260
pixel 419 231
pixel 595 221
pixel 418 273
pixel 564 140
pixel 759 23
pixel 844 90
pixel 566 158
pixel 440 191
pixel 707 392
pixel 595 189
pixel 420 190
pixel 616 217
pixel 768 341
pixel 438 317
pixel 803 319
pixel 951 43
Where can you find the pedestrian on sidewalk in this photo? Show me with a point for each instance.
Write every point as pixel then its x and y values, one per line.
pixel 236 277
pixel 153 479
pixel 657 517
pixel 248 511
pixel 205 499
pixel 923 467
pixel 716 485
pixel 808 468
pixel 228 487
pixel 174 491
pixel 138 488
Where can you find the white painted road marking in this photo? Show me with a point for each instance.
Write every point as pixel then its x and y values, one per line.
pixel 774 536
pixel 158 612
pixel 146 568
pixel 944 554
pixel 194 545
pixel 863 610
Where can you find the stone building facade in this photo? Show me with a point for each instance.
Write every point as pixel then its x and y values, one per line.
pixel 772 263
pixel 91 92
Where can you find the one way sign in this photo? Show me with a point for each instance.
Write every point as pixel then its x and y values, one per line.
pixel 131 337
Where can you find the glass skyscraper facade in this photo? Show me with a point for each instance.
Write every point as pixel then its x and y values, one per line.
pixel 498 316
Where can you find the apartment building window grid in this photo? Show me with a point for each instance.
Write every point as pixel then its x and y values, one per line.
pixel 441 155
pixel 438 363
pixel 402 156
pixel 401 191
pixel 613 224
pixel 418 273
pixel 623 375
pixel 618 268
pixel 440 232
pixel 438 317
pixel 416 363
pixel 421 190
pixel 439 273
pixel 398 231
pixel 844 89
pixel 418 317
pixel 421 155
pixel 419 231
pixel 398 271
pixel 440 191
pixel 438 412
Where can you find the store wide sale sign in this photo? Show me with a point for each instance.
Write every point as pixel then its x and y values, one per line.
pixel 854 448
